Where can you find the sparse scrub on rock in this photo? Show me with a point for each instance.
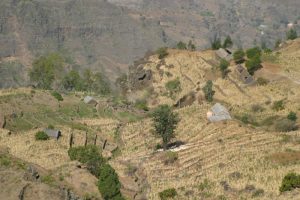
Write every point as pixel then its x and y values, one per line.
pixel 181 45
pixel 162 52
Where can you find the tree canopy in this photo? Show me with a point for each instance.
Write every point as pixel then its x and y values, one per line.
pixel 165 122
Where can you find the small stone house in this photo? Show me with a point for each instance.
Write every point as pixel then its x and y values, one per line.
pixel 243 74
pixel 53 133
pixel 224 54
pixel 218 113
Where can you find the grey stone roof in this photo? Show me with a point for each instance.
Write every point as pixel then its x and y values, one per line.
pixel 219 113
pixel 53 133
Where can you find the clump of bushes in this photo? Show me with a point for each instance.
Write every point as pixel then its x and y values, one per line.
pixel 224 64
pixel 181 45
pixel 162 52
pixel 170 157
pixel 108 183
pixel 238 56
pixel 168 193
pixel 57 96
pixel 292 116
pixel 41 135
pixel 291 34
pixel 278 105
pixel 290 182
pixel 285 125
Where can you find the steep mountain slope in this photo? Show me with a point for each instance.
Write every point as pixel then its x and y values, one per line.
pixel 109 35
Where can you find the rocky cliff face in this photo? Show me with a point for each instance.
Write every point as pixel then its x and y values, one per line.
pixel 108 35
pixel 94 33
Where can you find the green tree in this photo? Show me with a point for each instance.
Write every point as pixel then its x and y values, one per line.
pixel 227 42
pixel 239 55
pixel 165 122
pixel 181 45
pixel 253 64
pixel 72 81
pixel 208 91
pixel 191 46
pixel 100 85
pixel 224 64
pixel 253 52
pixel 108 184
pixel 45 69
pixel 57 96
pixel 291 34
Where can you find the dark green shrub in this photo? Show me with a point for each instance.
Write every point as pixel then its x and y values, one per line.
pixel 216 43
pixel 290 182
pixel 278 105
pixel 181 45
pixel 253 64
pixel 253 52
pixel 41 135
pixel 285 125
pixel 208 91
pixel 57 96
pixel 224 64
pixel 291 34
pixel 108 184
pixel 89 155
pixel 168 193
pixel 292 116
pixel 162 52
pixel 238 56
pixel 227 42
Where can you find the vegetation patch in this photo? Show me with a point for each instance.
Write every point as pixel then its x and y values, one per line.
pixel 290 182
pixel 168 194
pixel 57 96
pixel 173 87
pixel 41 135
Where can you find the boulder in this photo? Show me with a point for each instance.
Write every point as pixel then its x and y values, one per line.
pixel 31 174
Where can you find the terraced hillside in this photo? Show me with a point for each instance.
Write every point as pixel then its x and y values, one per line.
pixel 243 158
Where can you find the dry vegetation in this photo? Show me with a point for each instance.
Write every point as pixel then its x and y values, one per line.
pixel 238 159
